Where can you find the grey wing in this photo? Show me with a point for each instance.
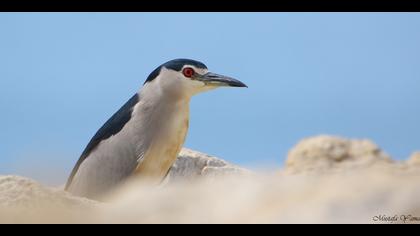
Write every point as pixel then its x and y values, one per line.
pixel 114 125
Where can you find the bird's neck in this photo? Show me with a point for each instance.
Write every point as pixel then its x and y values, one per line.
pixel 167 122
pixel 169 112
pixel 156 92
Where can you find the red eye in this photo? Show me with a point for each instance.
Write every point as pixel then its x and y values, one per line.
pixel 188 72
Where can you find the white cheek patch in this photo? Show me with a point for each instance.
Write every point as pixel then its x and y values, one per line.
pixel 197 83
pixel 196 86
pixel 175 80
pixel 193 84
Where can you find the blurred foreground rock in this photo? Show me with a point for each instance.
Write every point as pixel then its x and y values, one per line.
pixel 326 179
pixel 23 192
pixel 334 198
pixel 24 200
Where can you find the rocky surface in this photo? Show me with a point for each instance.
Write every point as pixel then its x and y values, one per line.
pixel 326 179
pixel 329 153
pixel 24 200
pixel 414 159
pixel 192 164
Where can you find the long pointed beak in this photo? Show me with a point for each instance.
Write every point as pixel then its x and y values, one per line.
pixel 221 80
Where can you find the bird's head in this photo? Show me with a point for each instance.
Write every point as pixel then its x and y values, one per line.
pixel 186 77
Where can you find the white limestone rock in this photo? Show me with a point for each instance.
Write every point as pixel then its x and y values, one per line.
pixel 192 164
pixel 414 159
pixel 329 153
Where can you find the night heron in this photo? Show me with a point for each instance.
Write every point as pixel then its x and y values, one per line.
pixel 143 138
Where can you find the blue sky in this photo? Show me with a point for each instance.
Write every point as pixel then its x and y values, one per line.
pixel 62 75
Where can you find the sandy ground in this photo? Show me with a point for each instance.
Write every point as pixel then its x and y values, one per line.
pixel 352 182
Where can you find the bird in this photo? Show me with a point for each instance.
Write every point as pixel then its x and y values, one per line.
pixel 144 137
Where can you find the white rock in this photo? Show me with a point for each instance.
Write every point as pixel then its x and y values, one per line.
pixel 192 164
pixel 414 159
pixel 326 153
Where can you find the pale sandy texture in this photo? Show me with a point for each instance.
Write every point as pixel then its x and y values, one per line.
pixel 326 180
pixel 334 198
pixel 24 200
